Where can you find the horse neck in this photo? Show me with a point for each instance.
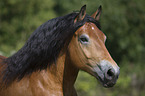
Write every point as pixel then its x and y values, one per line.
pixel 61 75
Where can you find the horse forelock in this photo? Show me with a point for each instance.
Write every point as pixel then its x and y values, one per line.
pixel 43 47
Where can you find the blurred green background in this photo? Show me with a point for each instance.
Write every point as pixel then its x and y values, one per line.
pixel 123 21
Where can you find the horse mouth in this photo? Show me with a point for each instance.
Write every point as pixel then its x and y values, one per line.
pixel 109 84
pixel 106 83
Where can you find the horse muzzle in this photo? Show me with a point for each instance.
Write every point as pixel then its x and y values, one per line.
pixel 107 73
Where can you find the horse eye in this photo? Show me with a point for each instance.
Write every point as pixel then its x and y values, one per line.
pixel 84 39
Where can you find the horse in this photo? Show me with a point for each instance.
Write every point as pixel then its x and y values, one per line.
pixel 49 61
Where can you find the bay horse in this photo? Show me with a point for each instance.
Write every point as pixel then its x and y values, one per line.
pixel 49 62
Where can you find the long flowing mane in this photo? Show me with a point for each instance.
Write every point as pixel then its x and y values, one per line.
pixel 43 47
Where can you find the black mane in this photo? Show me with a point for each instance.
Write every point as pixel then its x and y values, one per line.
pixel 43 47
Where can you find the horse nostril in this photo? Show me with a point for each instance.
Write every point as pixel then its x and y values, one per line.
pixel 110 73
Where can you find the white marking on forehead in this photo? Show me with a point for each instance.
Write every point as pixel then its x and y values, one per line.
pixel 93 28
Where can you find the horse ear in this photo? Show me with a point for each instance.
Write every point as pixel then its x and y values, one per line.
pixel 81 15
pixel 97 14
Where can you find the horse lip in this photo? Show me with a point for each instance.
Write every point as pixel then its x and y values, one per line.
pixel 109 84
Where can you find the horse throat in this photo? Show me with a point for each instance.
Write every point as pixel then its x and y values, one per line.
pixel 69 77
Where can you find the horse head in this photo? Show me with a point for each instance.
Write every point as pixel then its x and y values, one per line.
pixel 88 51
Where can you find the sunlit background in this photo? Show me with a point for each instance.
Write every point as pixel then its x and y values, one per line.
pixel 123 21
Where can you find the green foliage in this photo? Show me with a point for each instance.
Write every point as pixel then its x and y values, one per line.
pixel 19 18
pixel 122 21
